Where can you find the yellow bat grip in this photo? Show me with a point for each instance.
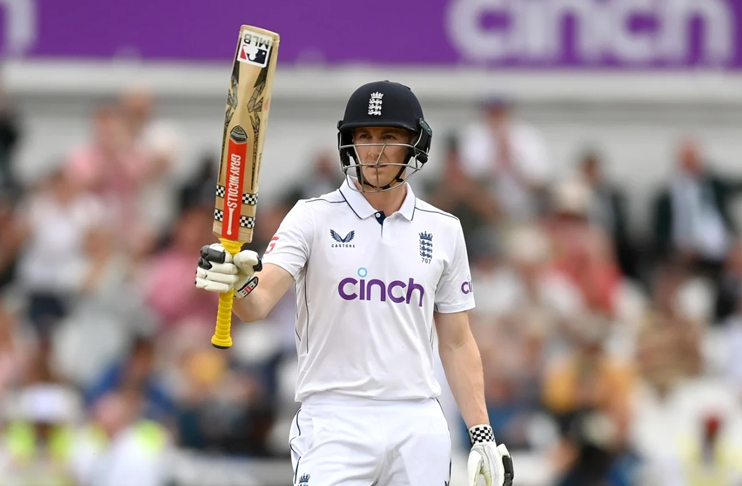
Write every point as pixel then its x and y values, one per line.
pixel 222 338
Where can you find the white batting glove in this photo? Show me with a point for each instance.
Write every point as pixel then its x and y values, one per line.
pixel 488 459
pixel 219 272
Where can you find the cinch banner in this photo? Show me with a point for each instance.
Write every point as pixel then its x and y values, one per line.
pixel 539 34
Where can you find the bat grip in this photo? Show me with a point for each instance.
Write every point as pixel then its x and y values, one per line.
pixel 222 338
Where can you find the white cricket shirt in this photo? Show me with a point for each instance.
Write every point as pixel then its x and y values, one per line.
pixel 366 290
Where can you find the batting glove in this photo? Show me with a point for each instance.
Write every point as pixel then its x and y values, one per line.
pixel 219 272
pixel 488 459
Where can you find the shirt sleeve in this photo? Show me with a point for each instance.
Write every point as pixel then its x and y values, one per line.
pixel 290 246
pixel 454 292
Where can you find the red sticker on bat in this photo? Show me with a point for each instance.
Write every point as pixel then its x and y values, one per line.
pixel 236 159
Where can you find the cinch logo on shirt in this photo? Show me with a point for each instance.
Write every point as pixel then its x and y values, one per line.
pixel 466 287
pixel 397 291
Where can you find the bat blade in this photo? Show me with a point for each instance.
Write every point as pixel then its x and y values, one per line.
pixel 245 124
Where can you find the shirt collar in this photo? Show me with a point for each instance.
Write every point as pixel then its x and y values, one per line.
pixel 363 209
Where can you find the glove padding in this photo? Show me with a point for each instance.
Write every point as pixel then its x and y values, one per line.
pixel 219 272
pixel 488 459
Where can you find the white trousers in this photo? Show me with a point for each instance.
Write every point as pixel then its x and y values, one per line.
pixel 346 441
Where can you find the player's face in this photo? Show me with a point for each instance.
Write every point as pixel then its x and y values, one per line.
pixel 382 151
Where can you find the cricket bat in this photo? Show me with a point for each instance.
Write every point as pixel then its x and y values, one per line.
pixel 245 123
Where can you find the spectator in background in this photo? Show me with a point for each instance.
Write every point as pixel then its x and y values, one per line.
pixel 10 134
pixel 668 355
pixel 516 327
pixel 513 354
pixel 323 177
pixel 108 310
pixel 36 442
pixel 221 408
pixel 169 292
pixel 732 367
pixel 137 378
pixel 11 241
pixel 730 284
pixel 199 189
pixel 521 287
pixel 687 423
pixel 692 222
pixel 607 210
pixel 589 394
pixel 119 448
pixel 13 352
pixel 114 169
pixel 55 221
pixel 455 192
pixel 159 141
pixel 510 157
pixel 668 351
pixel 582 251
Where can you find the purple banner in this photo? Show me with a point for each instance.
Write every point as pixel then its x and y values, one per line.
pixel 544 34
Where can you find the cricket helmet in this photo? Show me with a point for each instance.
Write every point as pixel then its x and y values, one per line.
pixel 384 104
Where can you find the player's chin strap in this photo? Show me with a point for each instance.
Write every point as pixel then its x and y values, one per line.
pixel 397 178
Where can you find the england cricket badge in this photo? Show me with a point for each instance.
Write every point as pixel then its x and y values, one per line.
pixel 426 246
pixel 374 104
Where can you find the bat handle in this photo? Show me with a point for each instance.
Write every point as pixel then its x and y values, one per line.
pixel 222 338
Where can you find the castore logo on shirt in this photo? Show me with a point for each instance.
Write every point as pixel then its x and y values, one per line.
pixel 343 241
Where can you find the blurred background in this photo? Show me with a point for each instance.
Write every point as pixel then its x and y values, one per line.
pixel 590 148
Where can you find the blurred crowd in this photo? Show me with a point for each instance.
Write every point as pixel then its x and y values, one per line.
pixel 615 356
pixel 106 363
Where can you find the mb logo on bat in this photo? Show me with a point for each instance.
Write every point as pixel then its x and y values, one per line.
pixel 254 49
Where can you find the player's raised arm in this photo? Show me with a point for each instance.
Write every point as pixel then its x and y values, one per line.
pixel 274 282
pixel 259 286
